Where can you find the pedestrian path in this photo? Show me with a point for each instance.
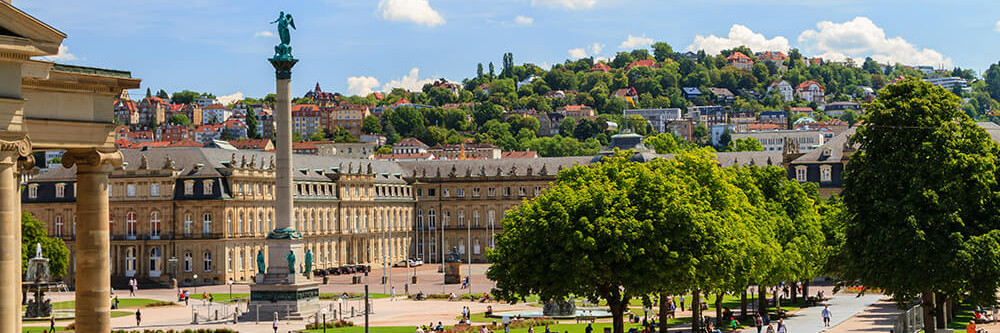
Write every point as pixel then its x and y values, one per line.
pixel 843 306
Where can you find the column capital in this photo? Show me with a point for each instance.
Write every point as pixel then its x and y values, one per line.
pixel 17 143
pixel 92 158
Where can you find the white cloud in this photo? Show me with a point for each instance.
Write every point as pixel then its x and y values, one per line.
pixel 860 37
pixel 225 100
pixel 997 27
pixel 361 85
pixel 568 4
pixel 263 33
pixel 524 20
pixel 739 35
pixel 633 42
pixel 416 11
pixel 592 50
pixel 410 82
pixel 62 55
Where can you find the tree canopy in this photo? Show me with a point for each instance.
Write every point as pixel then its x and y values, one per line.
pixel 33 232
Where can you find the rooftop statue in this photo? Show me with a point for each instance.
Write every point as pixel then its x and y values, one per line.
pixel 284 50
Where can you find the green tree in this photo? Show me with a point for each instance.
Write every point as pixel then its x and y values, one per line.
pixel 746 144
pixel 921 204
pixel 179 119
pixel 296 136
pixel 662 51
pixel 33 232
pixel 252 123
pixel 663 143
pixel 700 133
pixel 371 125
pixel 184 97
pixel 162 94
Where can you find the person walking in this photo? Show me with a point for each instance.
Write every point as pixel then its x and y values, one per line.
pixel 52 322
pixel 393 298
pixel 781 326
pixel 589 329
pixel 826 315
pixel 274 325
pixel 770 328
pixel 758 322
pixel 138 318
pixel 682 302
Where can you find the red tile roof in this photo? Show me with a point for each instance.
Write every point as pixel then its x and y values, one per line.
pixel 600 67
pixel 763 127
pixel 185 143
pixel 215 107
pixel 801 109
pixel 519 154
pixel 805 85
pixel 155 144
pixel 122 143
pixel 643 63
pixel 410 142
pixel 250 143
pixel 401 101
pixel 739 57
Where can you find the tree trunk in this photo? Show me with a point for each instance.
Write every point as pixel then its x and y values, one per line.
pixel 805 289
pixel 794 289
pixel 663 312
pixel 777 300
pixel 718 310
pixel 762 300
pixel 940 302
pixel 743 303
pixel 617 308
pixel 927 298
pixel 696 310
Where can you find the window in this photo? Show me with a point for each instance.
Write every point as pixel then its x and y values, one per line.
pixel 445 219
pixel 155 256
pixel 33 191
pixel 800 173
pixel 420 192
pixel 240 227
pixel 154 225
pixel 229 261
pixel 188 187
pixel 260 222
pixel 130 261
pixel 130 225
pixel 445 192
pixel 59 226
pixel 229 223
pixel 430 219
pixel 476 247
pixel 475 219
pixel 110 192
pixel 520 191
pixel 475 192
pixel 491 192
pixel 187 225
pixel 239 260
pixel 207 261
pixel 130 190
pixel 460 192
pixel 420 219
pixel 506 191
pixel 206 224
pixel 430 192
pixel 188 262
pixel 461 218
pixel 60 190
pixel 207 187
pixel 825 173
pixel 154 190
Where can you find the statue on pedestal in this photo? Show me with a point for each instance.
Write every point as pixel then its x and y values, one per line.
pixel 309 262
pixel 284 50
pixel 291 261
pixel 261 268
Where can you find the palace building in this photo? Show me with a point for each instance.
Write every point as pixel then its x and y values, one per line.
pixel 181 212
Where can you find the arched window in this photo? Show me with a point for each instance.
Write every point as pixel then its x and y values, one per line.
pixel 229 223
pixel 420 219
pixel 260 222
pixel 446 219
pixel 130 261
pixel 240 226
pixel 58 226
pixel 206 224
pixel 431 219
pixel 207 261
pixel 188 262
pixel 130 225
pixel 187 224
pixel 155 258
pixel 154 225
pixel 461 218
pixel 475 218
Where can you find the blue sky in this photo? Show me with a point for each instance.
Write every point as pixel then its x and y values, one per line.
pixel 352 46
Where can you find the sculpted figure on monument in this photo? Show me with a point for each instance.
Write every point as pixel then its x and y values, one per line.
pixel 291 261
pixel 284 50
pixel 261 268
pixel 309 261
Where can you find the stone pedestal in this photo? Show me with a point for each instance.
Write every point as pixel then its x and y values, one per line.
pixel 294 301
pixel 453 273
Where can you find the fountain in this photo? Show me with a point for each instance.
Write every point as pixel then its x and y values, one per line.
pixel 38 272
pixel 559 308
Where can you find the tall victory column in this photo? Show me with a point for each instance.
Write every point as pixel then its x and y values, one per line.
pixel 284 290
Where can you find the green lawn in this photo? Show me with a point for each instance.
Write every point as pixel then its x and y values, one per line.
pixel 114 314
pixel 598 327
pixel 329 296
pixel 963 316
pixel 122 303
pixel 237 297
pixel 372 329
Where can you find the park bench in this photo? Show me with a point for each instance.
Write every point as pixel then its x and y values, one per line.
pixel 580 319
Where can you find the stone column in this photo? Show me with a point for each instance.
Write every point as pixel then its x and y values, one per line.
pixel 284 210
pixel 93 245
pixel 14 154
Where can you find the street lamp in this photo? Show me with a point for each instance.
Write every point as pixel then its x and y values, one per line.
pixel 340 308
pixel 195 277
pixel 323 311
pixel 230 283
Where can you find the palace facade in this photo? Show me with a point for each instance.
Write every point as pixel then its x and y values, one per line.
pixel 202 214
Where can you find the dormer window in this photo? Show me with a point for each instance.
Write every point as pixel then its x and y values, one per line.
pixel 33 191
pixel 188 187
pixel 130 190
pixel 207 187
pixel 460 192
pixel 445 192
pixel 60 190
pixel 154 190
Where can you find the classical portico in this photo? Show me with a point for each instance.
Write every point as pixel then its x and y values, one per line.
pixel 48 106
